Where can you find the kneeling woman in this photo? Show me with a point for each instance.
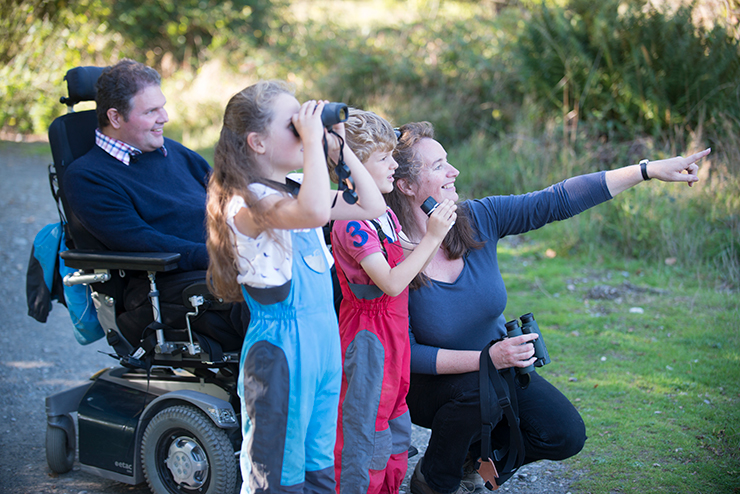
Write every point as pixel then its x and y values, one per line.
pixel 456 308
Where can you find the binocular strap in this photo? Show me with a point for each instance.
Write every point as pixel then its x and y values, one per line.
pixel 507 402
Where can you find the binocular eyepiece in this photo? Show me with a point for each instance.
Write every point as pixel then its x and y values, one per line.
pixel 332 114
pixel 529 325
pixel 429 205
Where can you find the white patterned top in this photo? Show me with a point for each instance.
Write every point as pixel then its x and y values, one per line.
pixel 264 261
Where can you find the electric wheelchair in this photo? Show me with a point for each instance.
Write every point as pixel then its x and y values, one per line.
pixel 168 413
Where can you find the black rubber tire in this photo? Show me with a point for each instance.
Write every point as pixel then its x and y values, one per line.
pixel 185 421
pixel 60 455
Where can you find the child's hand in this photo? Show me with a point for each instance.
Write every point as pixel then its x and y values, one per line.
pixel 307 121
pixel 442 219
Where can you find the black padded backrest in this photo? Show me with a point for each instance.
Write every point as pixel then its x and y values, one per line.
pixel 73 134
pixel 70 137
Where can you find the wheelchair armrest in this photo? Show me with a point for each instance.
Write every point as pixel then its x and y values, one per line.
pixel 139 261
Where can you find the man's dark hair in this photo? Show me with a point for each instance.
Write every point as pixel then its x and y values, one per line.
pixel 117 86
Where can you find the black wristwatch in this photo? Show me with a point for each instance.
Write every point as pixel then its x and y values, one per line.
pixel 643 169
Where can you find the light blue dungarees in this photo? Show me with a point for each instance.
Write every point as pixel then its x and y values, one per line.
pixel 290 376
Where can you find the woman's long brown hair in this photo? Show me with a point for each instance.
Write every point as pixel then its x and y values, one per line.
pixel 462 236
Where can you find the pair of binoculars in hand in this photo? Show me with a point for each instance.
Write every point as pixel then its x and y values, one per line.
pixel 332 114
pixel 529 325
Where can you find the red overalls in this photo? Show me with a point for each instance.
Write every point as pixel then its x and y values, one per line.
pixel 374 428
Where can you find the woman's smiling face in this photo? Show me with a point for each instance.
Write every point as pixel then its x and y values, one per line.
pixel 437 177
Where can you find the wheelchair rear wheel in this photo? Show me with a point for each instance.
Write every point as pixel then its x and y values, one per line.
pixel 183 451
pixel 60 451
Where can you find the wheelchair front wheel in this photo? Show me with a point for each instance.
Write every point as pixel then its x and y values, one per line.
pixel 60 450
pixel 183 451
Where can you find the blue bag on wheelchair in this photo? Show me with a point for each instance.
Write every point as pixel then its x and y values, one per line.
pixel 46 270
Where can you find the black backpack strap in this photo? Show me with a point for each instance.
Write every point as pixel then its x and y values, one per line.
pixel 507 401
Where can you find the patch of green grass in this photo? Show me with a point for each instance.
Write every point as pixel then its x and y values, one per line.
pixel 28 149
pixel 654 370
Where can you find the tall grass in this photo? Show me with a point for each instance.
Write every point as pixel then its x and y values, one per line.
pixel 697 228
pixel 526 97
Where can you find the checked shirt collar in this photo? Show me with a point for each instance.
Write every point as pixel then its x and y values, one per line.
pixel 119 149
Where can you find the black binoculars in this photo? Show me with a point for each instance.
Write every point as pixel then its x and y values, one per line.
pixel 529 325
pixel 332 114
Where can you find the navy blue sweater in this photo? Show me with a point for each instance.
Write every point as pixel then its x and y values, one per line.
pixel 156 204
pixel 469 313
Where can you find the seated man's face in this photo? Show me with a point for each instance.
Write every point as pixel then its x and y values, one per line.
pixel 143 128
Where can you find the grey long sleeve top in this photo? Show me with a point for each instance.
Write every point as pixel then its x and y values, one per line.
pixel 468 313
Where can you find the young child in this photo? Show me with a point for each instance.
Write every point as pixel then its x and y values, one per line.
pixel 374 431
pixel 265 244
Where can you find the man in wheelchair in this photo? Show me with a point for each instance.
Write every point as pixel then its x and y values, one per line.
pixel 138 191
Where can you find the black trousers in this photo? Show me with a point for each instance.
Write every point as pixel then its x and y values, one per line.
pixel 227 327
pixel 449 405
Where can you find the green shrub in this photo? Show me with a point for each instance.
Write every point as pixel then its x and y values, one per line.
pixel 628 69
pixel 454 72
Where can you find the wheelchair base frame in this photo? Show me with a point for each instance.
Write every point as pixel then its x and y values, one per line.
pixel 114 410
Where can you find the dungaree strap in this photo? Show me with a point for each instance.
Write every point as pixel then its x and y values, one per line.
pixel 371 292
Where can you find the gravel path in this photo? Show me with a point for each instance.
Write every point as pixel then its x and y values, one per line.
pixel 37 360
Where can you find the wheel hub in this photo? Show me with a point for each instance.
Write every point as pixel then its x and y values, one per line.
pixel 187 462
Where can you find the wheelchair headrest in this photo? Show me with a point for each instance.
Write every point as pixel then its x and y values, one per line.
pixel 81 84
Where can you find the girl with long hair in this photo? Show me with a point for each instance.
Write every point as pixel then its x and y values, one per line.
pixel 266 246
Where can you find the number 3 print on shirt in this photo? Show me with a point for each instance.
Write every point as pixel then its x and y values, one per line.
pixel 355 230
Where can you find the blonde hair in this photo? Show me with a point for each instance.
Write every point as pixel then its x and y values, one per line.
pixel 234 169
pixel 365 133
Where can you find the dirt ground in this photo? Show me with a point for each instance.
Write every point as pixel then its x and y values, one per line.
pixel 38 360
